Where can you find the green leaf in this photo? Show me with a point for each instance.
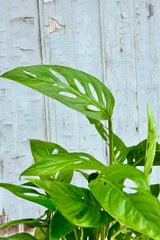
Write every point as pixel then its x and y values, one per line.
pixel 65 176
pixel 76 204
pixel 29 184
pixel 41 233
pixel 30 195
pixel 151 145
pixel 155 189
pixel 71 235
pixel 62 161
pixel 136 154
pixel 92 176
pixel 60 227
pixel 19 236
pixel 85 175
pixel 113 229
pixel 120 150
pixel 76 89
pixel 100 129
pixel 29 222
pixel 41 149
pixel 139 211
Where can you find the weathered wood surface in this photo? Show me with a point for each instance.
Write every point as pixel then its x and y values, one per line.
pixel 116 41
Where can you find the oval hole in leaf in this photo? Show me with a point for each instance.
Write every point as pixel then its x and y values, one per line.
pixel 55 151
pixel 117 154
pixel 55 84
pixel 93 108
pixel 59 76
pixel 67 94
pixel 57 173
pixel 129 190
pixel 93 91
pixel 30 74
pixel 79 86
pixel 130 183
pixel 84 157
pixel 77 162
pixel 31 194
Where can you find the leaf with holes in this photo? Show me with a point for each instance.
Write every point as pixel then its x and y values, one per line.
pixel 120 150
pixel 41 149
pixel 76 204
pixel 58 162
pixel 151 144
pixel 19 236
pixel 65 176
pixel 136 154
pixel 139 210
pixel 74 88
pixel 30 195
pixel 60 226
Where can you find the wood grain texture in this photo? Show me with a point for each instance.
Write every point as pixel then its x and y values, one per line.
pixel 21 115
pixel 116 41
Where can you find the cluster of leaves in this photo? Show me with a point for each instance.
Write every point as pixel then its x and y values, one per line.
pixel 107 208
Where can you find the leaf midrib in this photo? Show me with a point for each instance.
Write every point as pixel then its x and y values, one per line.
pixel 124 195
pixel 79 94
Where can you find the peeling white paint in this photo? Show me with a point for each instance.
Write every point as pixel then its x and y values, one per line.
pixel 28 20
pixel 116 41
pixel 53 25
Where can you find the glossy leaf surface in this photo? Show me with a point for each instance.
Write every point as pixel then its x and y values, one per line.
pixel 76 89
pixel 136 154
pixel 120 150
pixel 41 149
pixel 151 144
pixel 60 227
pixel 30 195
pixel 58 162
pixel 139 210
pixel 76 204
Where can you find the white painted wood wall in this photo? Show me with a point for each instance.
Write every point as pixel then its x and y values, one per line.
pixel 117 41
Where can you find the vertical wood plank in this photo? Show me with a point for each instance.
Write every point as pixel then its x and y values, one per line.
pixel 117 21
pixel 147 66
pixel 77 45
pixel 116 41
pixel 21 115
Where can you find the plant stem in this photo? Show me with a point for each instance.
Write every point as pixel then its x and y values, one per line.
pixel 118 232
pixel 82 233
pixel 103 232
pixel 75 233
pixel 96 233
pixel 110 142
